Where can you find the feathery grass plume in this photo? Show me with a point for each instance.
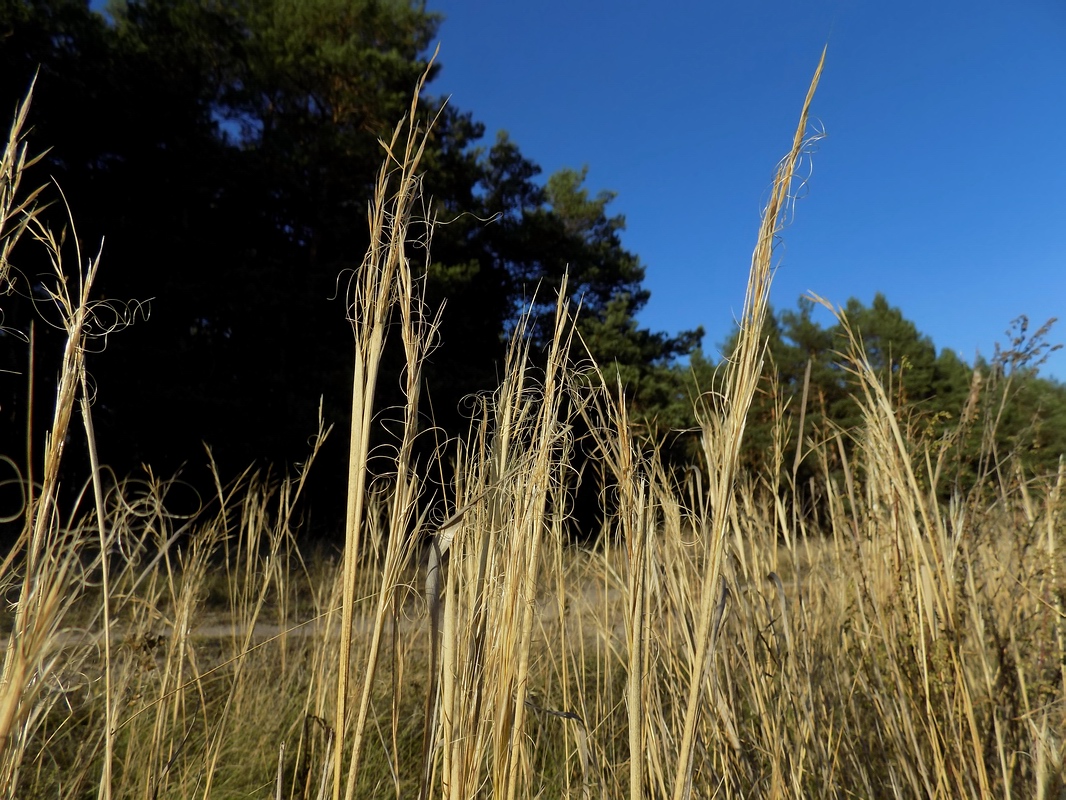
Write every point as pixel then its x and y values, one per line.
pixel 16 213
pixel 611 429
pixel 546 463
pixel 50 555
pixel 723 428
pixel 512 465
pixel 381 286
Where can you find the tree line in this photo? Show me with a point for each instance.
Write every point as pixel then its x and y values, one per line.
pixel 225 152
pixel 968 420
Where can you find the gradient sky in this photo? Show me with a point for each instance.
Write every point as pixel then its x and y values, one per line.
pixel 940 181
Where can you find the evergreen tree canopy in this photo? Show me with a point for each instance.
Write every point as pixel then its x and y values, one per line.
pixel 227 150
pixel 976 415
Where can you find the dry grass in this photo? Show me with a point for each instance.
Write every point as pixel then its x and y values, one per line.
pixel 715 642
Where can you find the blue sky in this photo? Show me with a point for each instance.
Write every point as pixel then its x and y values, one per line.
pixel 940 181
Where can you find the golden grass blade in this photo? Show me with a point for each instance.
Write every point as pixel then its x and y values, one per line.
pixel 722 451
pixel 382 286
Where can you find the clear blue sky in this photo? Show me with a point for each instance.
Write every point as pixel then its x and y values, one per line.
pixel 940 182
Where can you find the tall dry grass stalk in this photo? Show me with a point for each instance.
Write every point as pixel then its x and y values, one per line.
pixel 514 462
pixel 382 287
pixel 49 553
pixel 723 432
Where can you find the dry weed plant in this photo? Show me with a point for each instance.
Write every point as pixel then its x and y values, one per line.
pixel 716 640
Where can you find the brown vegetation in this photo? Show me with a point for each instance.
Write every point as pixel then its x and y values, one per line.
pixel 713 642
